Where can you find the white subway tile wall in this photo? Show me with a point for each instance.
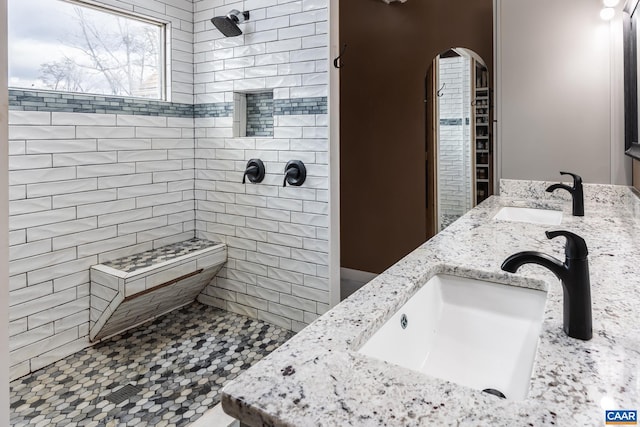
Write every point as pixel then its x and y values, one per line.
pixel 277 237
pixel 87 188
pixel 91 187
pixel 455 192
pixel 85 201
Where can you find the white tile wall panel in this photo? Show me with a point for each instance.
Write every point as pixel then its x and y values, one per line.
pixel 84 198
pixel 155 132
pixel 30 293
pixel 32 118
pixel 310 293
pixel 297 302
pixel 95 248
pixel 60 270
pixel 298 266
pixel 142 190
pixel 83 119
pixel 285 276
pixel 61 351
pixel 263 293
pixel 157 166
pixel 285 311
pixel 279 58
pixel 173 207
pixel 123 144
pixel 104 132
pixel 40 218
pixel 145 224
pixel 315 42
pixel 33 161
pixel 241 309
pixel 141 155
pixel 17 237
pixel 316 245
pixel 70 281
pixel 38 175
pixel 281 321
pixel 17 147
pixel 124 180
pixel 71 145
pixel 284 239
pixel 42 132
pixel 317 16
pixel 18 326
pixel 62 311
pixel 23 206
pixel 30 336
pixel 85 158
pixel 251 301
pixel 76 319
pixel 30 249
pixel 262 259
pixel 106 170
pixel 38 348
pixel 40 304
pixel 18 281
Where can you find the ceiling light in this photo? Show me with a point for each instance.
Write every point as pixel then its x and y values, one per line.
pixel 607 13
pixel 610 3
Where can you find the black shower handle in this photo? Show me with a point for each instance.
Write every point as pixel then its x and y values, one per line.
pixel 255 170
pixel 295 173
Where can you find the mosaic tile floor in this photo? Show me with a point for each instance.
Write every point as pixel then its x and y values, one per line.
pixel 174 366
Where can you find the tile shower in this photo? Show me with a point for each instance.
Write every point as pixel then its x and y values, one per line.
pixel 97 178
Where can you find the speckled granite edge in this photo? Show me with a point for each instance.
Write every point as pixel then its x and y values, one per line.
pixel 319 379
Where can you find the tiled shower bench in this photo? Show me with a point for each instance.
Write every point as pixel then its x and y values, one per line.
pixel 131 290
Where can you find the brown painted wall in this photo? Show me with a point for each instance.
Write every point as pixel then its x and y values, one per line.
pixel 382 135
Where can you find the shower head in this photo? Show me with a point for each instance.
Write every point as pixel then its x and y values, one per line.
pixel 228 25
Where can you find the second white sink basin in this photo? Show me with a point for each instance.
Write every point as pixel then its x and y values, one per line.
pixel 479 334
pixel 534 216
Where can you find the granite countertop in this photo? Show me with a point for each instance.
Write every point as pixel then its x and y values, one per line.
pixel 319 379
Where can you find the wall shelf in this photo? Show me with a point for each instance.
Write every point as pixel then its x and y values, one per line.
pixel 483 157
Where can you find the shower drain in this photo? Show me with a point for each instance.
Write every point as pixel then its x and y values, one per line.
pixel 123 393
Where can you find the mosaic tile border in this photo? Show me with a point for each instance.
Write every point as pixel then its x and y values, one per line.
pixel 300 106
pixel 454 122
pixel 216 109
pixel 30 100
pixel 260 114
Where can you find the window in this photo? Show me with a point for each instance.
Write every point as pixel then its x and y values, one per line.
pixel 73 47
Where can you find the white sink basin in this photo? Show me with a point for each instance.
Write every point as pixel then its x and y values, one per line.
pixel 478 334
pixel 535 216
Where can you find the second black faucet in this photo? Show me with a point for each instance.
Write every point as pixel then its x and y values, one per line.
pixel 575 191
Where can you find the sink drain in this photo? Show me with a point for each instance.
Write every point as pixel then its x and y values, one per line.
pixel 404 321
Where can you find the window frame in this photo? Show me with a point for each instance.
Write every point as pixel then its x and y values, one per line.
pixel 164 60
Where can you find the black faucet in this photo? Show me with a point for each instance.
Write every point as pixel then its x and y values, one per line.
pixel 574 275
pixel 576 192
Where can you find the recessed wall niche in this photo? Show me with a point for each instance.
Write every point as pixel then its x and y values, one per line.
pixel 253 114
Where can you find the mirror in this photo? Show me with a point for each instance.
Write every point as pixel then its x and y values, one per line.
pixel 459 137
pixel 630 24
